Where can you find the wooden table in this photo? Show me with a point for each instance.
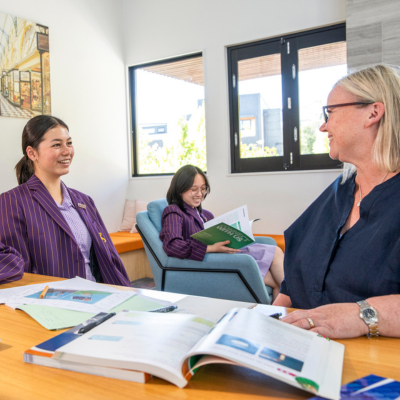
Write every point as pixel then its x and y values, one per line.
pixel 22 381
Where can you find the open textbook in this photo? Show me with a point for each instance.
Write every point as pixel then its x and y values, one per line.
pixel 233 226
pixel 42 353
pixel 172 347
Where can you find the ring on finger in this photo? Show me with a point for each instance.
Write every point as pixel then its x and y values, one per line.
pixel 311 322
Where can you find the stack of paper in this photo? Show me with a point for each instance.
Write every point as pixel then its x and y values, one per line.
pixel 70 302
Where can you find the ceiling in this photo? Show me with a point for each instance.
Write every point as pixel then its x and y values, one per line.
pixel 6 22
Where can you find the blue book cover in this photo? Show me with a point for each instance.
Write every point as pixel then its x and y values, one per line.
pixel 371 387
pixel 64 338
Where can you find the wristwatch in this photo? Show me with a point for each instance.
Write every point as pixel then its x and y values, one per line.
pixel 370 316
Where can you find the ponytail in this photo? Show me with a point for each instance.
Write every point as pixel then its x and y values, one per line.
pixel 24 170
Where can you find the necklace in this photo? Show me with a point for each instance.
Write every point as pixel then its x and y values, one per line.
pixel 358 204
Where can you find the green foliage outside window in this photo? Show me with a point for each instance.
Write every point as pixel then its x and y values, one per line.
pixel 312 141
pixel 188 147
pixel 253 151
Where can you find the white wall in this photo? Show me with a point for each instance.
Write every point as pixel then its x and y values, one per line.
pixel 88 93
pixel 157 29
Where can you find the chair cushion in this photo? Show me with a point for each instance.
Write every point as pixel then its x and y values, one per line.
pixel 130 211
pixel 155 209
pixel 139 206
pixel 129 216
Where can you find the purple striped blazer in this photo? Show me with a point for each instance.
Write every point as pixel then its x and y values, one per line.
pixel 177 226
pixel 11 264
pixel 31 223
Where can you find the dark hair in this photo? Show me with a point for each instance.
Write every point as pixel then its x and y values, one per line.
pixel 32 135
pixel 181 182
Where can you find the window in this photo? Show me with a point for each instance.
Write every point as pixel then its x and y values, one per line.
pixel 168 122
pixel 277 88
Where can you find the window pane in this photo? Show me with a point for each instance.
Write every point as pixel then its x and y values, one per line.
pixel 320 67
pixel 170 121
pixel 260 104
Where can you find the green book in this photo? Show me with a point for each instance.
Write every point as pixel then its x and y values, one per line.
pixel 222 232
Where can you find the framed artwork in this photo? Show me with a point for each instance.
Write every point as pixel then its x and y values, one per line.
pixel 24 68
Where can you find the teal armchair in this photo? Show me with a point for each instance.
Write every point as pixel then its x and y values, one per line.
pixel 223 276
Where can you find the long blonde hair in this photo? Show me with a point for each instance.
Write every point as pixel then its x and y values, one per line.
pixel 380 83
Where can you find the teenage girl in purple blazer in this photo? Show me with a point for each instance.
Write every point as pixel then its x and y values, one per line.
pixel 185 216
pixel 50 228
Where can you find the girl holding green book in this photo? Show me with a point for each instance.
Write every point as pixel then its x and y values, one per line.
pixel 184 216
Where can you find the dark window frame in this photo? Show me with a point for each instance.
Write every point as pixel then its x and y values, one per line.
pixel 290 117
pixel 132 97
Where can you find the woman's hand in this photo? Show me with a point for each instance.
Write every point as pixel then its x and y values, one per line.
pixel 336 321
pixel 220 247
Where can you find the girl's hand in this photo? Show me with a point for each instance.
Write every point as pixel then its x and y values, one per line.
pixel 220 247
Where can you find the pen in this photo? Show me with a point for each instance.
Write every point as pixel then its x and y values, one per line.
pixel 276 315
pixel 165 309
pixel 90 326
pixel 43 294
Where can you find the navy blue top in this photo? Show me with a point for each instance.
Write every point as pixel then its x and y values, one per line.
pixel 323 267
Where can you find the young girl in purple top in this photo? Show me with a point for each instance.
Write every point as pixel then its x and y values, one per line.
pixel 185 216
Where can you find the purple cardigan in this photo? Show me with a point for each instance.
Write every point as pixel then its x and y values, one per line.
pixel 32 224
pixel 177 226
pixel 11 264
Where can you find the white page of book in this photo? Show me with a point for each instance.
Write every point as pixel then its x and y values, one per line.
pixel 159 340
pixel 19 295
pixel 277 349
pixel 238 218
pixel 209 308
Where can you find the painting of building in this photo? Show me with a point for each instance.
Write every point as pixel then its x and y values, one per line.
pixel 24 68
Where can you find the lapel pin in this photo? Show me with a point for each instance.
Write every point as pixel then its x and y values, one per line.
pixel 101 237
pixel 82 206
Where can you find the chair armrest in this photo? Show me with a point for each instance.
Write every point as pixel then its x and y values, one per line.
pixel 214 261
pixel 237 266
pixel 265 240
pixel 243 263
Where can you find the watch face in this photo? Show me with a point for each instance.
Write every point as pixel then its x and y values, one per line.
pixel 368 313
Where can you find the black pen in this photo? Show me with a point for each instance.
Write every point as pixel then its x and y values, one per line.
pixel 90 326
pixel 165 309
pixel 276 315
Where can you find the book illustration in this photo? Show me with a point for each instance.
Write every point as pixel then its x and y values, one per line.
pixel 281 359
pixel 238 343
pixel 307 384
pixel 86 297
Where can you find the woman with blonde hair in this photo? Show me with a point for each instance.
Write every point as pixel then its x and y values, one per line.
pixel 342 259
